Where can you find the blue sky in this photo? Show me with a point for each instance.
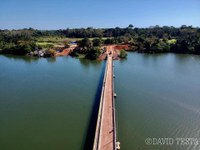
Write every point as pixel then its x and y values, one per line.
pixel 61 14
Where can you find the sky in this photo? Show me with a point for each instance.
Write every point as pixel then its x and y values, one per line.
pixel 62 14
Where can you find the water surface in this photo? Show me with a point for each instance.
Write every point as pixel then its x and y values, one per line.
pixel 158 96
pixel 46 104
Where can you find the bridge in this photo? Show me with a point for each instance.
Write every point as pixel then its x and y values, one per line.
pixel 105 134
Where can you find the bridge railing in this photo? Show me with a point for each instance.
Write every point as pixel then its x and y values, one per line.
pixel 114 117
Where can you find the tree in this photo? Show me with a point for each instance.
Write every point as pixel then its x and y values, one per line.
pixel 85 43
pixel 93 53
pixel 97 42
pixel 130 26
pixel 122 54
pixel 197 49
pixel 185 39
pixel 50 53
pixel 109 41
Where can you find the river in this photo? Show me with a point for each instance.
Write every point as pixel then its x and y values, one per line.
pixel 158 97
pixel 46 104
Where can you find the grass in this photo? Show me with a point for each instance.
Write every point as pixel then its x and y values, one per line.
pixel 43 43
pixel 56 41
pixel 51 40
pixel 172 41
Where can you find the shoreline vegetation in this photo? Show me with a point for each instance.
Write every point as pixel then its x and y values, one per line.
pixel 91 43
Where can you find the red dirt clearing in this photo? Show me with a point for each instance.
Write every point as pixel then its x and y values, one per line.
pixel 115 49
pixel 65 51
pixel 120 47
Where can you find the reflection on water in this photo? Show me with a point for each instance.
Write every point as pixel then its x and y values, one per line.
pixel 46 103
pixel 51 59
pixel 29 59
pixel 26 59
pixel 87 63
pixel 158 96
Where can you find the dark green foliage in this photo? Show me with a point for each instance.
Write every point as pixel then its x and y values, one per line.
pixel 75 52
pixel 19 49
pixel 109 41
pixel 50 53
pixel 97 42
pixel 17 42
pixel 185 39
pixel 85 43
pixel 122 54
pixel 197 49
pixel 87 48
pixel 93 53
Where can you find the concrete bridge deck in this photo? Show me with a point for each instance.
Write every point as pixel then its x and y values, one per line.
pixel 105 136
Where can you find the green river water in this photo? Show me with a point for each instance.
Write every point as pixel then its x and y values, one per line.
pixel 46 104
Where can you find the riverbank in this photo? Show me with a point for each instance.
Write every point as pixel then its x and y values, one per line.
pixel 183 40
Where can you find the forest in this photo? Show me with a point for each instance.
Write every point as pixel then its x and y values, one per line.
pixel 155 39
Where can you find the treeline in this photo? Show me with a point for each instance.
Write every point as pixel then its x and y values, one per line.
pixel 90 49
pixel 185 39
pixel 18 42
